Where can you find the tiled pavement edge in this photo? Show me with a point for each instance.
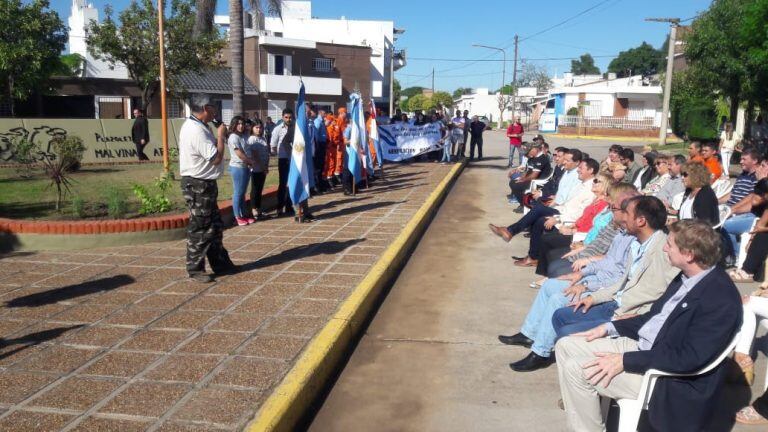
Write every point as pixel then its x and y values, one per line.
pixel 118 340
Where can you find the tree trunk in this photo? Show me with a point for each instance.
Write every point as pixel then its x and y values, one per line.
pixel 204 11
pixel 748 120
pixel 734 111
pixel 236 62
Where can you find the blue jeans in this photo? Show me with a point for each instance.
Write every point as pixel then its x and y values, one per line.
pixel 241 176
pixel 512 149
pixel 567 322
pixel 538 323
pixel 446 153
pixel 737 225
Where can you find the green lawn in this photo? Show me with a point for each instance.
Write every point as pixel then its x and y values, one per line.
pixel 672 148
pixel 31 198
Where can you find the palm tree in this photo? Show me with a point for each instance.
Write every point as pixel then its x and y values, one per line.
pixel 204 24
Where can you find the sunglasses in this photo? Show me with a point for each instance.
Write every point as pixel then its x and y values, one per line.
pixel 596 181
pixel 684 174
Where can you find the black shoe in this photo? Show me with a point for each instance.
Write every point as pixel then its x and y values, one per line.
pixel 201 277
pixel 227 269
pixel 527 235
pixel 518 210
pixel 531 363
pixel 518 339
pixel 309 217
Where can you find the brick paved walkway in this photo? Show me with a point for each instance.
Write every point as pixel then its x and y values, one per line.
pixel 119 340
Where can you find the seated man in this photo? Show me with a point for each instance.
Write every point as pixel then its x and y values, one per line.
pixel 709 156
pixel 648 272
pixel 537 167
pixel 674 186
pixel 740 200
pixel 685 329
pixel 549 189
pixel 537 332
pixel 627 157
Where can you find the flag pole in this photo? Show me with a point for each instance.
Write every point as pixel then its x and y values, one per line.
pixel 163 113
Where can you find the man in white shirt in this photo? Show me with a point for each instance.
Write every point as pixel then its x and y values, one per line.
pixel 200 165
pixel 460 125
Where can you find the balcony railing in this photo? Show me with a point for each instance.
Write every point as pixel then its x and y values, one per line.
pixel 608 122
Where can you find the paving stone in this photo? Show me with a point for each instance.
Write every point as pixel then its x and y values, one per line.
pixel 118 297
pixel 327 292
pixel 291 277
pixel 37 312
pixel 214 343
pixel 100 336
pixel 294 326
pixel 27 421
pixel 274 289
pixel 262 305
pixel 184 320
pixel 278 347
pixel 155 340
pixel 210 303
pixel 121 364
pixel 77 393
pixel 251 277
pixel 339 280
pixel 17 386
pixel 251 372
pixel 312 307
pixel 220 406
pixel 146 399
pixel 61 359
pixel 186 286
pixel 87 313
pixel 94 424
pixel 134 316
pixel 184 367
pixel 240 322
pixel 162 301
pixel 181 427
pixel 355 269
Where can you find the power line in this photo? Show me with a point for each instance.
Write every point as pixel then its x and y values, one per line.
pixel 565 21
pixel 499 60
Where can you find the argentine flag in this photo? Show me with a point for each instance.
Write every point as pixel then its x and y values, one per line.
pixel 356 138
pixel 374 134
pixel 298 174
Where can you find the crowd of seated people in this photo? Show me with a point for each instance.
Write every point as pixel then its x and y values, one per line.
pixel 634 261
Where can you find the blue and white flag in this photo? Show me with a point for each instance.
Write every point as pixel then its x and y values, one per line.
pixel 357 137
pixel 374 134
pixel 298 174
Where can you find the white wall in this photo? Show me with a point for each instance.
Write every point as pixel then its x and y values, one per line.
pixel 80 17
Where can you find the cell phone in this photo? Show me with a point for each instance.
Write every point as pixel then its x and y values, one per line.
pixel 216 123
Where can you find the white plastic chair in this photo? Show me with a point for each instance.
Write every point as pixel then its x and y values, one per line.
pixel 630 409
pixel 724 212
pixel 722 187
pixel 677 201
pixel 764 323
pixel 535 185
pixel 744 239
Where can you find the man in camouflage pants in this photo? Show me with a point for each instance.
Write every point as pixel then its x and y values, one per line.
pixel 200 163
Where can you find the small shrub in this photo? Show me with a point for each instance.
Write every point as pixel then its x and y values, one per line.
pixel 572 111
pixel 70 150
pixel 25 153
pixel 117 204
pixel 56 171
pixel 78 207
pixel 154 203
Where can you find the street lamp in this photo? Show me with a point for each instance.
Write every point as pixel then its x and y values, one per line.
pixel 503 77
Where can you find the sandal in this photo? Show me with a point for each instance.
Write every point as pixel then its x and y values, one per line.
pixel 740 276
pixel 748 415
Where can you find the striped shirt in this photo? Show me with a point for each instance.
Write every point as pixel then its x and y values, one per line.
pixel 745 185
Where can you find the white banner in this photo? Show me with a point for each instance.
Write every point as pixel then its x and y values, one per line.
pixel 401 141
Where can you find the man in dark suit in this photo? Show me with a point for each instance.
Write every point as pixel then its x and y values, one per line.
pixel 140 133
pixel 685 330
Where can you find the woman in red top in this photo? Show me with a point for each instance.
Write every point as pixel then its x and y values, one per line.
pixel 584 223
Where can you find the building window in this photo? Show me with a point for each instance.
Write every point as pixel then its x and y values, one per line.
pixel 175 108
pixel 322 64
pixel 280 64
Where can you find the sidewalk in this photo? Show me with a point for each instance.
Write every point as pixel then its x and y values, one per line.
pixel 430 359
pixel 120 340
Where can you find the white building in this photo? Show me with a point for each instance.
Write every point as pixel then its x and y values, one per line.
pixel 80 17
pixel 297 23
pixel 483 103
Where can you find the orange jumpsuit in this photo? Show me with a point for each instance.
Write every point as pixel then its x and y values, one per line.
pixel 334 137
pixel 341 124
pixel 371 147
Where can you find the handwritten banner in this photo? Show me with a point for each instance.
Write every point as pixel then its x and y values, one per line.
pixel 401 141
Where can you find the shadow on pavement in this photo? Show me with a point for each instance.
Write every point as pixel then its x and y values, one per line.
pixel 72 291
pixel 323 248
pixel 360 208
pixel 33 339
pixel 336 203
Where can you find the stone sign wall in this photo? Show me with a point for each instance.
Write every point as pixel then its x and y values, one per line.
pixel 105 140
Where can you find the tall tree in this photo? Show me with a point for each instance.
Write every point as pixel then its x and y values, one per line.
pixel 134 42
pixel 585 65
pixel 461 91
pixel 441 98
pixel 31 38
pixel 642 60
pixel 411 91
pixel 532 75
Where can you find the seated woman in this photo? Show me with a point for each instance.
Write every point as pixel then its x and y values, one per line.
pixel 662 176
pixel 648 171
pixel 699 200
pixel 757 251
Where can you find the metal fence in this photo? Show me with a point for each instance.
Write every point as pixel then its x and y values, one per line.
pixel 608 122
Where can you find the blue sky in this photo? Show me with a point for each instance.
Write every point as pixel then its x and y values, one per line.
pixel 437 30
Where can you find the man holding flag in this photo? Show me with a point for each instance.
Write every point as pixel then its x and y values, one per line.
pixel 353 138
pixel 373 135
pixel 298 181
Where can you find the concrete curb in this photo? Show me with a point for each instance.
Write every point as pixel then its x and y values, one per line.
pixel 293 397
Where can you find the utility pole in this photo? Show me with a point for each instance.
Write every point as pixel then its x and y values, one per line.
pixel 514 81
pixel 392 82
pixel 673 24
pixel 433 81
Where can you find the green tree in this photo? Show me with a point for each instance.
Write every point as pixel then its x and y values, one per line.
pixel 461 91
pixel 642 60
pixel 31 38
pixel 71 65
pixel 532 75
pixel 419 102
pixel 585 65
pixel 754 33
pixel 442 98
pixel 716 51
pixel 134 42
pixel 411 91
